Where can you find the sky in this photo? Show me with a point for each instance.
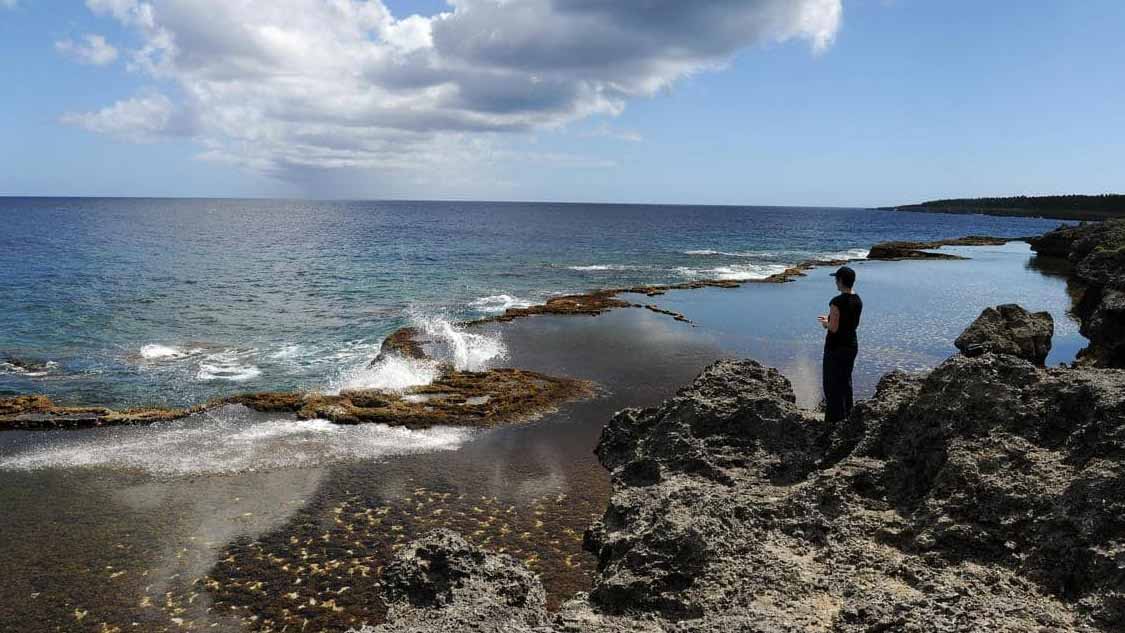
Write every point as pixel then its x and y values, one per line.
pixel 778 102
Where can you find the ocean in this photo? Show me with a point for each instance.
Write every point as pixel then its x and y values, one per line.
pixel 128 301
pixel 233 520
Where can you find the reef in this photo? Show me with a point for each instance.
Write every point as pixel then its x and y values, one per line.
pixel 411 342
pixel 894 251
pixel 472 399
pixel 38 412
pixel 1097 253
pixel 460 398
pixel 985 495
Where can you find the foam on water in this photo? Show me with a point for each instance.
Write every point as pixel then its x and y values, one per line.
pixel 851 253
pixel 229 365
pixel 711 253
pixel 390 373
pixel 499 303
pixel 737 272
pixel 229 440
pixel 288 352
pixel 603 267
pixel 154 351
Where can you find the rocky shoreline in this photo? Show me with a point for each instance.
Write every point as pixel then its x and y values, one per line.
pixel 1097 253
pixel 457 398
pixel 984 495
pixel 987 494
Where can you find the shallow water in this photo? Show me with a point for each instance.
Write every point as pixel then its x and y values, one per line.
pixel 171 302
pixel 213 520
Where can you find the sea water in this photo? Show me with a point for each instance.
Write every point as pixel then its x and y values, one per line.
pixel 126 302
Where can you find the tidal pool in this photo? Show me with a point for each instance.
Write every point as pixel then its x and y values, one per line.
pixel 247 521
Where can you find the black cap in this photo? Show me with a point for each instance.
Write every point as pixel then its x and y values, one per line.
pixel 846 275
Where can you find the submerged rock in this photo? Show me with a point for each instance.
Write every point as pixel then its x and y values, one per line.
pixel 1009 329
pixel 1097 251
pixel 988 495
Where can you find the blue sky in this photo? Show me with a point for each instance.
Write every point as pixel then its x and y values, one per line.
pixel 818 102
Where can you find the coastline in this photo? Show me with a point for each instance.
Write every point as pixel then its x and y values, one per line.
pixel 529 490
pixel 734 509
pixel 1059 214
pixel 38 412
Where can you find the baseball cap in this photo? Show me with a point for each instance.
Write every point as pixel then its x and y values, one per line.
pixel 846 275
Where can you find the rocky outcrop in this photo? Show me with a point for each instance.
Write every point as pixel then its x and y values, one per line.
pixel 923 250
pixel 38 412
pixel 458 398
pixel 441 583
pixel 987 495
pixel 1009 329
pixel 1097 251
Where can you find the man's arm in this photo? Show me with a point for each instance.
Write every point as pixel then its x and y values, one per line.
pixel 833 319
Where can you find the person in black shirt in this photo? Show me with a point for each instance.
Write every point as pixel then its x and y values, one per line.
pixel 840 345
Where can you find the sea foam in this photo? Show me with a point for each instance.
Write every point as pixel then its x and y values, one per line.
pixel 499 303
pixel 154 351
pixel 229 440
pixel 228 365
pixel 448 343
pixel 738 272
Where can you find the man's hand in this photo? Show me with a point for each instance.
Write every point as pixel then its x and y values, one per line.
pixel 823 321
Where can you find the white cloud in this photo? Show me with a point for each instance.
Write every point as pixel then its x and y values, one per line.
pixel 139 119
pixel 93 50
pixel 296 87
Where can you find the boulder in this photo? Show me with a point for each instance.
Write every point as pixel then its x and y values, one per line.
pixel 1009 329
pixel 439 582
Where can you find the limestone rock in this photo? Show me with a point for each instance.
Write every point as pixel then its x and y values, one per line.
pixel 1097 251
pixel 441 583
pixel 1009 329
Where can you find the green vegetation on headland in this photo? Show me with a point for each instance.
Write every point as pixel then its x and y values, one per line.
pixel 1074 207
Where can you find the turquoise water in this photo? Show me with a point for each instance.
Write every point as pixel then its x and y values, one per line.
pixel 150 301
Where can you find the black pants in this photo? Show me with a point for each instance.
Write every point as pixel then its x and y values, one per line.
pixel 838 364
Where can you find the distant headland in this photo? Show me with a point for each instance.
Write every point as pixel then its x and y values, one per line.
pixel 1073 207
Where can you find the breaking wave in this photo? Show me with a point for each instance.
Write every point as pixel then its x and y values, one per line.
pixel 447 343
pixel 499 303
pixel 738 272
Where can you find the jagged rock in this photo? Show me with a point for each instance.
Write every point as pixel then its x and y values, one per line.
pixel 987 495
pixel 1009 329
pixel 1097 251
pixel 441 583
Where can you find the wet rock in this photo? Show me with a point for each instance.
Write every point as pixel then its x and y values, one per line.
pixel 1009 329
pixel 37 412
pixel 472 399
pixel 1097 251
pixel 985 495
pixel 922 250
pixel 441 583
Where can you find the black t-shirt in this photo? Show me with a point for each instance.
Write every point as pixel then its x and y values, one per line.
pixel 850 307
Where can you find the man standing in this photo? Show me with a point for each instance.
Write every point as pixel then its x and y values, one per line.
pixel 840 345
